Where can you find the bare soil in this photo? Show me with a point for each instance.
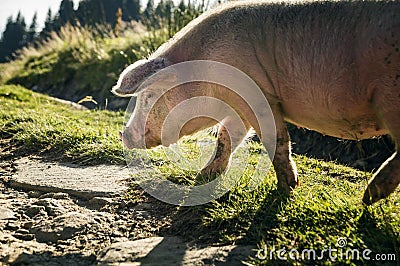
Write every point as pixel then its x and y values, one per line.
pixel 60 214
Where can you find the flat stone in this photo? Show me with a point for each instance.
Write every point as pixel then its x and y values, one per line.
pixel 58 195
pixel 171 251
pixel 99 202
pixel 12 226
pixel 61 228
pixel 7 214
pixel 25 237
pixel 81 181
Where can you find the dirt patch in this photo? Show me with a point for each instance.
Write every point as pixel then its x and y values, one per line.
pixel 59 214
pixel 81 181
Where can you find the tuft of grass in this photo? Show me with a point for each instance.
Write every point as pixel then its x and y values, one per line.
pixel 32 123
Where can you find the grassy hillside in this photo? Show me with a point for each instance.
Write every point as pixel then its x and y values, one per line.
pixel 78 62
pixel 327 206
pixel 32 123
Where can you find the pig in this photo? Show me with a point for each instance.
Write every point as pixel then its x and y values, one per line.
pixel 333 67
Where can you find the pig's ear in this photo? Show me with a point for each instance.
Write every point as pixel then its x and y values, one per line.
pixel 136 74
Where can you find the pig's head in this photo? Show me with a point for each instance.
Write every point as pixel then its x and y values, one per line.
pixel 143 129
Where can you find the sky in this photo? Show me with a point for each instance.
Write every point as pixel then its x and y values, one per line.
pixel 28 7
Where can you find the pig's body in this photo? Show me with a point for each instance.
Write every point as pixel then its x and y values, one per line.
pixel 331 67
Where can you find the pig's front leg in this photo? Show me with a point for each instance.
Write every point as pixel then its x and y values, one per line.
pixel 222 154
pixel 284 165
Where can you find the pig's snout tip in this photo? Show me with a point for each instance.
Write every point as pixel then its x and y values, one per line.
pixel 124 140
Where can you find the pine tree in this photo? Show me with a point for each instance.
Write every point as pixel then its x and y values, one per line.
pixel 148 17
pixel 111 8
pixel 66 12
pixel 48 25
pixel 14 37
pixel 131 10
pixel 31 35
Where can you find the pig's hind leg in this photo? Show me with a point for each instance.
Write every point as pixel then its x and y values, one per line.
pixel 284 165
pixel 387 178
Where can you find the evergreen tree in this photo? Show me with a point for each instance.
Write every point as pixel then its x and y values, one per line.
pixel 83 12
pixel 21 30
pixel 131 10
pixel 14 37
pixel 31 35
pixel 163 14
pixel 49 26
pixel 111 8
pixel 148 17
pixel 66 12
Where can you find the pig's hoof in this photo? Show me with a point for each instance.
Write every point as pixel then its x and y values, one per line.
pixel 288 187
pixel 372 194
pixel 285 187
pixel 212 169
pixel 204 178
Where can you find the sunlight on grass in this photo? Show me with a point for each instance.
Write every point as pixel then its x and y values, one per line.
pixel 327 205
pixel 34 123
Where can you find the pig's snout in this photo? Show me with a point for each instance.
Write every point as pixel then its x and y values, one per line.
pixel 132 139
pixel 127 140
pixel 124 140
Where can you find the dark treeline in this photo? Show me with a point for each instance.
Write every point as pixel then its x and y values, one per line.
pixel 18 34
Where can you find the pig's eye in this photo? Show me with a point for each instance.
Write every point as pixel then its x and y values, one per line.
pixel 149 96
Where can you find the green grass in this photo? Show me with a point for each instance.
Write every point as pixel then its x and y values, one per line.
pixel 31 123
pixel 78 62
pixel 326 207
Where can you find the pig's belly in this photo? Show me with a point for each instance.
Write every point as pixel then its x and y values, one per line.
pixel 356 125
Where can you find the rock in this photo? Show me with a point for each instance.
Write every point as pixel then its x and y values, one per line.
pixel 27 225
pixel 35 210
pixel 171 251
pixel 61 228
pixel 117 234
pixel 22 259
pixel 12 226
pixel 35 194
pixel 129 251
pixel 99 202
pixel 22 231
pixel 81 181
pixel 52 206
pixel 25 237
pixel 54 195
pixel 7 214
